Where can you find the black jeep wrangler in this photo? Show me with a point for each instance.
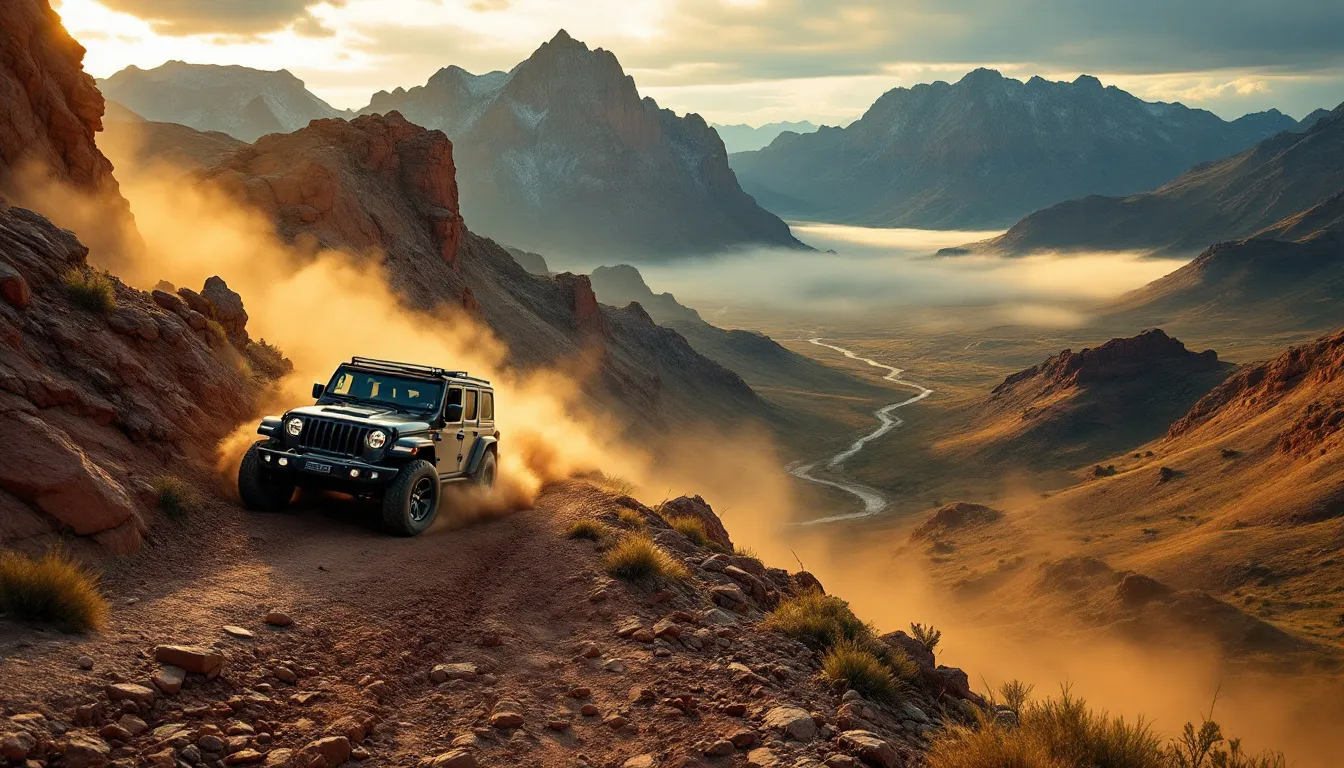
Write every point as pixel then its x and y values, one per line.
pixel 389 430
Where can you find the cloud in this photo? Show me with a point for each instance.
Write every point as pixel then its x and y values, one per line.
pixel 243 18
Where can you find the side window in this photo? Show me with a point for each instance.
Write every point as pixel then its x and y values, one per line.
pixel 487 406
pixel 454 398
pixel 343 384
pixel 470 412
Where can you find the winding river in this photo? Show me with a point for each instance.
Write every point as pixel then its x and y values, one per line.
pixel 872 499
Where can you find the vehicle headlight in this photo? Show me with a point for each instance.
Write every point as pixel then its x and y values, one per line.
pixel 376 439
pixel 294 426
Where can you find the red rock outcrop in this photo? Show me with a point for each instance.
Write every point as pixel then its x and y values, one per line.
pixel 100 396
pixel 696 508
pixel 1116 359
pixel 52 108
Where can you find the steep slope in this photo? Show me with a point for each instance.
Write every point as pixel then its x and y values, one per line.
pixel 562 155
pixel 749 138
pixel 176 145
pixel 1229 199
pixel 1078 407
pixel 988 150
pixel 244 103
pixel 1288 277
pixel 380 185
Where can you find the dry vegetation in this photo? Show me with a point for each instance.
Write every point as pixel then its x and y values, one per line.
pixel 53 589
pixel 637 558
pixel 177 499
pixel 91 290
pixel 588 529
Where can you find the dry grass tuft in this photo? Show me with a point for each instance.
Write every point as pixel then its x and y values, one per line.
pixel 637 558
pixel 631 519
pixel 52 589
pixel 91 290
pixel 586 529
pixel 860 669
pixel 821 621
pixel 692 529
pixel 177 498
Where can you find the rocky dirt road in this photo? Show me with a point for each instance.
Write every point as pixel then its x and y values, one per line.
pixel 502 643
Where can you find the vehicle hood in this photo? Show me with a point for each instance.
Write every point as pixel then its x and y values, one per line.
pixel 369 415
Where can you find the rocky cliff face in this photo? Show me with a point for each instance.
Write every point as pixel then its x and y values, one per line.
pixel 1116 359
pixel 105 391
pixel 51 108
pixel 987 150
pixel 380 185
pixel 562 155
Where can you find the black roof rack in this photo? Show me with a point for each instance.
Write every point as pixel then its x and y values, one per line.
pixel 389 365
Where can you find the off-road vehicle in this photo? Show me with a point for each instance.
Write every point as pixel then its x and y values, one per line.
pixel 393 431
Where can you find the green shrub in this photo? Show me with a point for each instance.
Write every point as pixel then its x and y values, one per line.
pixel 177 499
pixel 926 635
pixel 91 290
pixel 821 621
pixel 637 558
pixel 692 529
pixel 218 336
pixel 742 551
pixel 52 589
pixel 586 529
pixel 860 669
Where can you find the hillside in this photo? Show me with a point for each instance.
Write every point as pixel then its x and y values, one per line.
pixel 145 142
pixel 1230 199
pixel 241 102
pixel 560 154
pixel 987 150
pixel 749 138
pixel 379 184
pixel 1078 407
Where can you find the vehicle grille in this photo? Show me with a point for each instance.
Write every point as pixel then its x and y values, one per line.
pixel 334 436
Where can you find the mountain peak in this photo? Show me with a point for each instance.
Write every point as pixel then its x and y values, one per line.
pixel 983 75
pixel 1087 81
pixel 563 40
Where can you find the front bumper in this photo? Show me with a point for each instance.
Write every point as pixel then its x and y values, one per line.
pixel 335 471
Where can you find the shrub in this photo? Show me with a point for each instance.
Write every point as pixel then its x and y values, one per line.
pixel 742 551
pixel 630 518
pixel 692 529
pixel 1015 695
pixel 821 621
pixel 859 668
pixel 586 529
pixel 53 589
pixel 637 558
pixel 218 336
pixel 268 359
pixel 926 635
pixel 91 290
pixel 177 499
pixel 616 484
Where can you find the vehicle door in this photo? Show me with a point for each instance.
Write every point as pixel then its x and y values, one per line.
pixel 450 453
pixel 471 424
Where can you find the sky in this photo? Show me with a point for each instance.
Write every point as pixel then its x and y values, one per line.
pixel 755 61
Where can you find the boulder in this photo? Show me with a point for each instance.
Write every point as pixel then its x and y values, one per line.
pixel 84 751
pixel 200 661
pixel 457 758
pixel 14 287
pixel 871 749
pixel 442 673
pixel 130 692
pixel 695 507
pixel 169 679
pixel 333 749
pixel 227 310
pixel 794 722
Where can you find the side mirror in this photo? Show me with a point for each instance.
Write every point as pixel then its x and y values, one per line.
pixel 453 413
pixel 319 390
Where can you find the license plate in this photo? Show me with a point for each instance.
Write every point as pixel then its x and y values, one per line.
pixel 314 466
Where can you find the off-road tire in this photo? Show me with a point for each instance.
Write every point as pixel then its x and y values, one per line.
pixel 403 510
pixel 488 471
pixel 260 489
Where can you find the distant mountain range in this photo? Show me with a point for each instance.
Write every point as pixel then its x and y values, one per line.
pixel 244 103
pixel 988 150
pixel 746 138
pixel 1229 199
pixel 561 154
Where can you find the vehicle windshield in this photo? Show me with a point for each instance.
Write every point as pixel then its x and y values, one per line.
pixel 401 392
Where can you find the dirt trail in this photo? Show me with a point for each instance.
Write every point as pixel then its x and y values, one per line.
pixel 511 595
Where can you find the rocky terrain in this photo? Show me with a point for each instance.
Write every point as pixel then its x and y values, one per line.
pixel 241 102
pixel 1078 407
pixel 1229 199
pixel 561 154
pixel 987 150
pixel 279 649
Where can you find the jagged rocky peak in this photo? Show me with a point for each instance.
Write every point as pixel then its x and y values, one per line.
pixel 1116 359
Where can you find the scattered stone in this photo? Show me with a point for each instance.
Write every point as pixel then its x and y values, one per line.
pixel 629 627
pixel 734 710
pixel 244 757
pixel 615 722
pixel 794 722
pixel 643 635
pixel 84 751
pixel 85 662
pixel 457 758
pixel 238 632
pixel 590 651
pixel 557 724
pixel 211 743
pixel 15 747
pixel 720 748
pixel 762 758
pixel 133 724
pixel 491 640
pixel 666 628
pixel 745 738
pixel 14 287
pixel 442 673
pixel 130 692
pixel 278 619
pixel 589 710
pixel 200 661
pixel 841 761
pixel 333 749
pixel 284 674
pixel 169 679
pixel 871 749
pixel 640 761
pixel 581 692
pixel 614 665
pixel 506 714
pixel 279 758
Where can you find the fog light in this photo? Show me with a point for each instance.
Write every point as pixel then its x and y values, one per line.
pixel 354 473
pixel 373 476
pixel 284 462
pixel 268 459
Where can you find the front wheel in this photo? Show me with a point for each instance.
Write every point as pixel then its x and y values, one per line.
pixel 485 474
pixel 411 503
pixel 261 489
